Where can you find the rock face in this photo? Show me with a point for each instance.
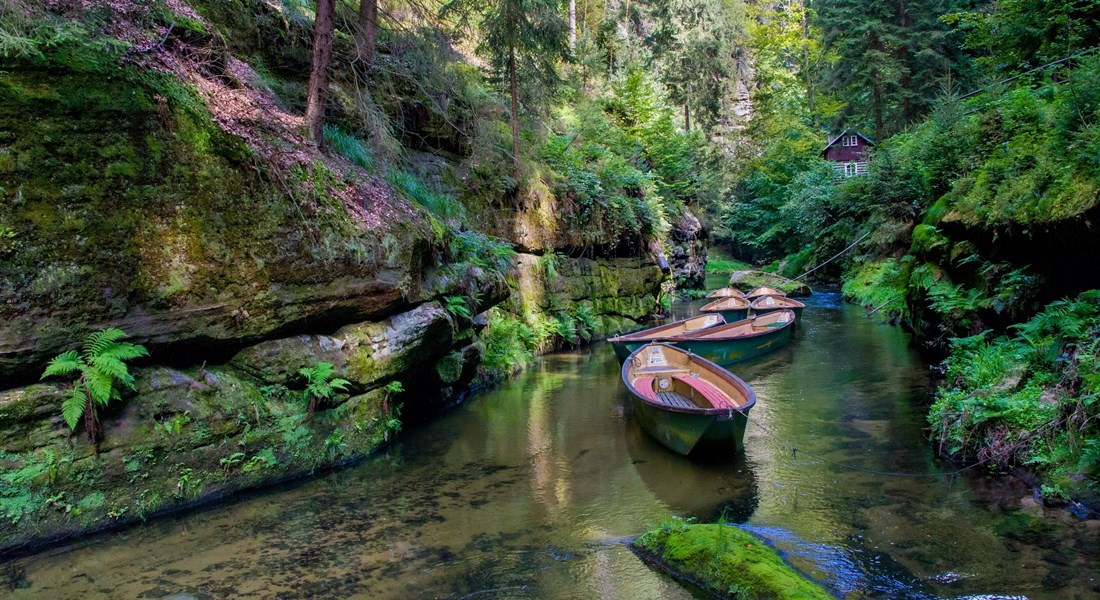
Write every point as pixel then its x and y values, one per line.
pixel 128 210
pixel 189 435
pixel 688 252
pixel 620 293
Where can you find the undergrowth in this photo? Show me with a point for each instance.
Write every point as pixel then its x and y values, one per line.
pixel 1029 398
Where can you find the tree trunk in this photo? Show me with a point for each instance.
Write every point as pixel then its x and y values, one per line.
pixel 687 117
pixel 318 71
pixel 367 36
pixel 515 112
pixel 876 105
pixel 806 62
pixel 572 26
pixel 906 97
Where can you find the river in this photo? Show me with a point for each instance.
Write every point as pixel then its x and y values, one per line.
pixel 531 490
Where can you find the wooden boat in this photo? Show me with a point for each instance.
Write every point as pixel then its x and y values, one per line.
pixel 627 343
pixel 731 308
pixel 765 291
pixel 726 292
pixel 741 340
pixel 686 402
pixel 766 304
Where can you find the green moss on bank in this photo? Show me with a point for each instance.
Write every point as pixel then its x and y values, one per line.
pixel 747 281
pixel 725 561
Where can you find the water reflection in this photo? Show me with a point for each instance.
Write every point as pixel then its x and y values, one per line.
pixel 706 491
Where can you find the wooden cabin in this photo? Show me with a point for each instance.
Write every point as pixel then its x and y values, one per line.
pixel 849 153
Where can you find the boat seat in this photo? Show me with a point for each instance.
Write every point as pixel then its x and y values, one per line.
pixel 716 397
pixel 675 400
pixel 644 385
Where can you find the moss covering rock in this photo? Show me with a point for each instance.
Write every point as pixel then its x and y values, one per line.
pixel 746 281
pixel 725 561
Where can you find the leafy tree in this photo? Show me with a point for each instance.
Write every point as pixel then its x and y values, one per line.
pixel 321 384
pixel 101 368
pixel 522 40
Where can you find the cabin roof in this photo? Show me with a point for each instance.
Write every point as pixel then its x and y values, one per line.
pixel 834 139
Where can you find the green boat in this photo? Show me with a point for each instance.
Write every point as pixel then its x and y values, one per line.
pixel 689 404
pixel 766 304
pixel 629 342
pixel 742 340
pixel 732 308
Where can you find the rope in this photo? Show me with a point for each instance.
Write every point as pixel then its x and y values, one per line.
pixel 883 305
pixel 850 246
pixel 1015 77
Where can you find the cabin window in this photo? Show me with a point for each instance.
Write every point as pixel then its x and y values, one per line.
pixel 850 141
pixel 850 169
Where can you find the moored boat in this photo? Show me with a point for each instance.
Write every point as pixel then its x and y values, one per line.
pixel 726 292
pixel 766 304
pixel 765 291
pixel 686 402
pixel 740 340
pixel 731 308
pixel 629 342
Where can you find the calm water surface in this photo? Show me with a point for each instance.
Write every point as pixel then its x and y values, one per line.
pixel 529 491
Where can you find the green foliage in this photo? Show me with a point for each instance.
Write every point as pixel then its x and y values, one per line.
pixel 1028 398
pixel 394 387
pixel 440 205
pixel 456 305
pixel 322 384
pixel 878 285
pixel 350 147
pixel 509 345
pixel 101 368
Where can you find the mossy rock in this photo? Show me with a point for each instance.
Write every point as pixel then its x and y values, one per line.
pixel 726 562
pixel 746 281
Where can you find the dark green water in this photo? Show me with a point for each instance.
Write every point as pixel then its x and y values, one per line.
pixel 529 491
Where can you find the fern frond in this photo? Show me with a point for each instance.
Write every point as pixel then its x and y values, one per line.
pixel 340 385
pixel 63 364
pixel 125 351
pixel 99 342
pixel 111 367
pixel 324 371
pixel 99 385
pixel 72 408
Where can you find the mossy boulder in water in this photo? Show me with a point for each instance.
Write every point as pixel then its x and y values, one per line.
pixel 746 281
pixel 725 561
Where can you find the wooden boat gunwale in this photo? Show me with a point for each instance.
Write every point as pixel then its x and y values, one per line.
pixel 712 308
pixel 746 391
pixel 634 336
pixel 719 293
pixel 792 302
pixel 699 335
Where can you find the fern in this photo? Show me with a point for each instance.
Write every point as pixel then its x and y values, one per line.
pixel 321 384
pixel 102 369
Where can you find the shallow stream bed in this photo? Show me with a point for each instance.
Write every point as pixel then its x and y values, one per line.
pixel 529 491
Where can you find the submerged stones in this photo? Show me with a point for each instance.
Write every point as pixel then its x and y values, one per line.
pixel 724 561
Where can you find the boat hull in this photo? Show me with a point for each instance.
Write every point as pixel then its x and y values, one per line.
pixel 733 314
pixel 725 352
pixel 688 433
